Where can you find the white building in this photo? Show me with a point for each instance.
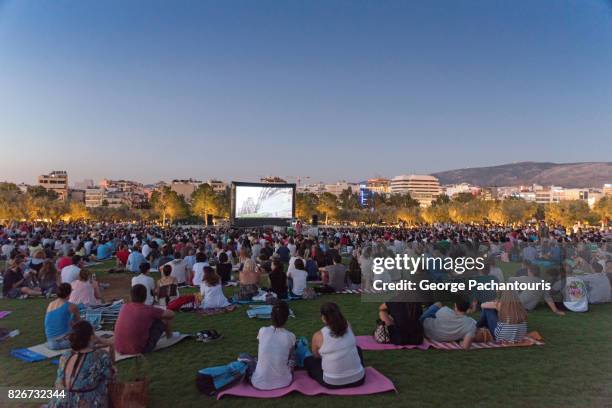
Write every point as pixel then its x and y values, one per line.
pixel 94 197
pixel 337 188
pixel 218 186
pixel 185 188
pixel 422 188
pixel 453 189
pixel 316 188
pixel 55 181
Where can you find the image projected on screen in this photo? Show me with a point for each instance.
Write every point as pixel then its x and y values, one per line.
pixel 264 202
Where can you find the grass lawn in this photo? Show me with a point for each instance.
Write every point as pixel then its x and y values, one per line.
pixel 573 369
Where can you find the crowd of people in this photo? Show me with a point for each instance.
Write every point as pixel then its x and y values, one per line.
pixel 51 260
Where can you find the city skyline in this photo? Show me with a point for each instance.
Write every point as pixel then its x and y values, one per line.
pixel 330 90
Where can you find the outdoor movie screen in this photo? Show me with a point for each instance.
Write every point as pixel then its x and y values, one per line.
pixel 263 201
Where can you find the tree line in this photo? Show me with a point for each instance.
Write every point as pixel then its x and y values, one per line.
pixel 166 205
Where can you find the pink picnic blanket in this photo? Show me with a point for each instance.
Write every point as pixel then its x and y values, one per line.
pixel 4 313
pixel 368 343
pixel 375 383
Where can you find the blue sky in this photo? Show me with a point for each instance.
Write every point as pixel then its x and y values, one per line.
pixel 152 90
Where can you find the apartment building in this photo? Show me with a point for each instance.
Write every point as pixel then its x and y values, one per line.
pixel 422 188
pixel 55 181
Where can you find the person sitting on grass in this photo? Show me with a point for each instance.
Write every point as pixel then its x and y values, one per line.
pixel 298 277
pixel 122 256
pixel 198 268
pixel 60 316
pixel 310 265
pixel 179 270
pixel 139 327
pixel 167 288
pixel 249 280
pixel 278 279
pixel 134 260
pixel 70 273
pixel 48 278
pixel 224 268
pixel 444 324
pixel 85 291
pixel 337 361
pixel 333 276
pixel 531 298
pixel 505 318
pixel 148 282
pixel 86 371
pixel 403 320
pixel 14 286
pixel 274 354
pixel 212 290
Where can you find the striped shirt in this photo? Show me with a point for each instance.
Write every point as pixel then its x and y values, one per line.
pixel 510 332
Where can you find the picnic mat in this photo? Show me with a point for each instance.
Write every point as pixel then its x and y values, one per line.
pixel 42 352
pixel 358 291
pixel 375 383
pixel 4 313
pixel 368 343
pixel 263 312
pixel 216 310
pixel 163 343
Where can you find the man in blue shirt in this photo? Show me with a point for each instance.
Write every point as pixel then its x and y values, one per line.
pixel 134 260
pixel 104 251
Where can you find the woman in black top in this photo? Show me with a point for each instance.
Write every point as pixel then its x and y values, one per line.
pixel 403 320
pixel 224 268
pixel 278 279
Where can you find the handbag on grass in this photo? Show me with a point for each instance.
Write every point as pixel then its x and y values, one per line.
pixel 134 393
pixel 381 333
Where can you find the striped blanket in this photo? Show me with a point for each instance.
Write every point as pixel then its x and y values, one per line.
pixel 99 315
pixel 368 343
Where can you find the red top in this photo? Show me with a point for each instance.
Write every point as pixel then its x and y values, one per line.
pixel 133 325
pixel 122 256
pixel 63 262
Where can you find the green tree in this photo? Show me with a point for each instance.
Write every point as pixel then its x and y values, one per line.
pixel 306 205
pixel 11 202
pixel 168 204
pixel 224 203
pixel 204 201
pixel 441 200
pixel 402 201
pixel 568 213
pixel 328 205
pixel 41 192
pixel 349 200
pixel 603 208
pixel 464 197
pixel 76 211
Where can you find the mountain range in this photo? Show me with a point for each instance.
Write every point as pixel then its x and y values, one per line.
pixel 569 175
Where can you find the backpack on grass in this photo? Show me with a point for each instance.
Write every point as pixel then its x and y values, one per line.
pixel 213 379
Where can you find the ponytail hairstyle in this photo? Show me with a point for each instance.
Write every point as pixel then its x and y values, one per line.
pixel 81 334
pixel 280 314
pixel 334 319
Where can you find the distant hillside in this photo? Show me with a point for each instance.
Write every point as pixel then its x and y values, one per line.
pixel 594 174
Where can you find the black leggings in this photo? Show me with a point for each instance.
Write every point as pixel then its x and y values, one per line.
pixel 315 371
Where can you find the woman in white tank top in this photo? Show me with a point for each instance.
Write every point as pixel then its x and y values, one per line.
pixel 337 362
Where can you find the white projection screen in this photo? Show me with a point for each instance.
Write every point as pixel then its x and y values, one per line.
pixel 261 204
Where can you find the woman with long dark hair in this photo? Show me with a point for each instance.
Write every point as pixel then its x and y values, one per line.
pixel 84 372
pixel 336 362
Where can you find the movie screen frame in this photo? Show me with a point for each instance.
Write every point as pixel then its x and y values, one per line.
pixel 255 221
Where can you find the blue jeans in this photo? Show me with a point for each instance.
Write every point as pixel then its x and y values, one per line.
pixel 430 312
pixel 488 319
pixel 58 343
